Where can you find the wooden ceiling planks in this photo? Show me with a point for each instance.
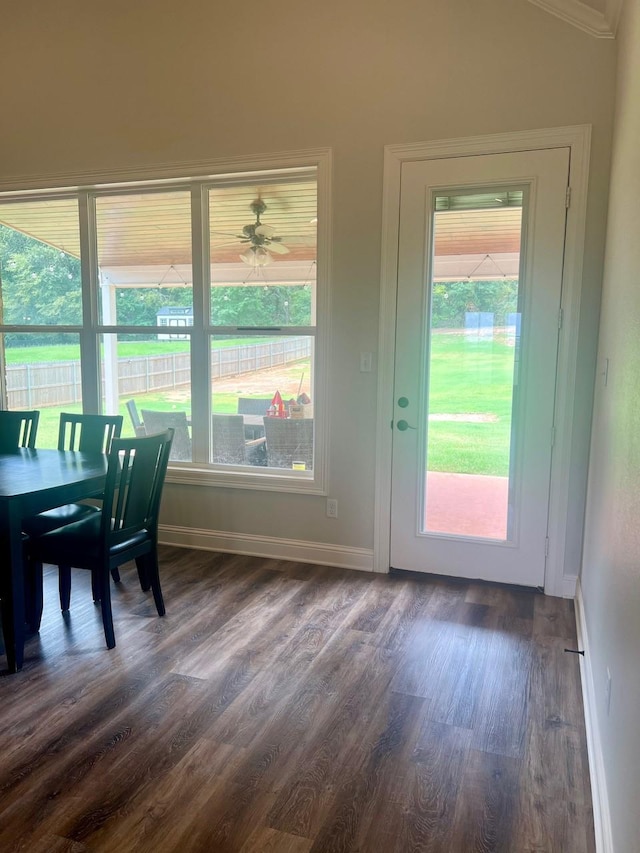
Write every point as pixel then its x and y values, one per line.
pixel 154 227
pixel 478 231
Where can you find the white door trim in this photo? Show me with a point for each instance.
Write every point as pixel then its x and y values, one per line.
pixel 578 139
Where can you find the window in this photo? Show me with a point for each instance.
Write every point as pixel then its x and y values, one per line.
pixel 203 301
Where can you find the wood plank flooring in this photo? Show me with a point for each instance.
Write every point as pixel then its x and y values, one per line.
pixel 296 709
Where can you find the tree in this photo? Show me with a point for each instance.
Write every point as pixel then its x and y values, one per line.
pixel 40 285
pixel 451 301
pixel 271 305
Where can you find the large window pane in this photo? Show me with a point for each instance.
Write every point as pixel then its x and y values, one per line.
pixel 263 253
pixel 259 231
pixel 144 258
pixel 147 379
pixel 40 263
pixel 43 372
pixel 257 381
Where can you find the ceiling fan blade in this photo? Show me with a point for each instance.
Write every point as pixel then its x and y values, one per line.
pixel 278 248
pixel 265 230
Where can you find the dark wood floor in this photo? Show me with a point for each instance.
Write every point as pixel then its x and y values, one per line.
pixel 294 708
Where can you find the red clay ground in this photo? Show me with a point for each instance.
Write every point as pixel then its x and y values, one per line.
pixel 467 504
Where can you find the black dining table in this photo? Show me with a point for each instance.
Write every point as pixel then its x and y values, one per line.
pixel 32 481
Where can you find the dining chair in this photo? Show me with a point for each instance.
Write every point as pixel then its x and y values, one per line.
pixel 229 445
pixel 157 421
pixel 86 434
pixel 18 429
pixel 289 440
pixel 126 528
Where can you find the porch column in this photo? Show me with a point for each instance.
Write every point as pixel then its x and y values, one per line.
pixel 109 348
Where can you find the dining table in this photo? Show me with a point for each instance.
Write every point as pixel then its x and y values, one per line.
pixel 32 481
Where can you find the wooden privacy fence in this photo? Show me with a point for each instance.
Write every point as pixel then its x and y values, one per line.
pixel 34 386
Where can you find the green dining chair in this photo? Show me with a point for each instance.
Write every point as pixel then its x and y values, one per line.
pixel 18 429
pixel 86 434
pixel 126 528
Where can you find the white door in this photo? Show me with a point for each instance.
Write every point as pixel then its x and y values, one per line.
pixel 479 292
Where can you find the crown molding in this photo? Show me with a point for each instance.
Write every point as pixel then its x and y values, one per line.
pixel 584 17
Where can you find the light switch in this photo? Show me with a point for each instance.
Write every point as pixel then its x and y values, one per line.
pixel 366 359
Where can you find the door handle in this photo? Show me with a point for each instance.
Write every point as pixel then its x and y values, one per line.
pixel 403 425
pixel 403 402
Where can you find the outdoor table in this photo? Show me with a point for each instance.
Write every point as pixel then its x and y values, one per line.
pixel 32 481
pixel 253 426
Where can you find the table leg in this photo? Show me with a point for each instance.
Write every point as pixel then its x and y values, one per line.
pixel 13 603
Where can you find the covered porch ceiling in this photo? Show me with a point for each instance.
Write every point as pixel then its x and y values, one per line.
pixel 144 238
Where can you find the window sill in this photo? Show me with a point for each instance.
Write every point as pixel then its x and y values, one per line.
pixel 297 482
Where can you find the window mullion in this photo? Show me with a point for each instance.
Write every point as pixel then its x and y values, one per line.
pixel 200 350
pixel 89 343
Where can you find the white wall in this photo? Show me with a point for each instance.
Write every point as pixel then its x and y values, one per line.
pixel 90 86
pixel 611 572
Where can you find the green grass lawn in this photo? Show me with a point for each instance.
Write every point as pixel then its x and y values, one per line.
pixel 466 378
pixel 470 378
pixel 126 349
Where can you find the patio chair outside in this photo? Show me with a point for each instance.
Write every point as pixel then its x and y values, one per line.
pixel 227 440
pixel 138 426
pixel 289 440
pixel 253 405
pixel 157 421
pixel 256 407
pixel 229 446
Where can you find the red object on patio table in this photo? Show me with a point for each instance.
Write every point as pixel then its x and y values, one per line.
pixel 277 409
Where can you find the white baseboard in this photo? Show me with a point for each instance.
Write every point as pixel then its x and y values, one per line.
pixel 599 795
pixel 271 547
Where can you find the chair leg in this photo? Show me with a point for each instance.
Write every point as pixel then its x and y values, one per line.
pixel 143 572
pixel 102 583
pixel 154 577
pixel 64 586
pixel 96 589
pixel 115 574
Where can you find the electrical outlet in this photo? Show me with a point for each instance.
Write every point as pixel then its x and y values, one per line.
pixel 607 694
pixel 332 508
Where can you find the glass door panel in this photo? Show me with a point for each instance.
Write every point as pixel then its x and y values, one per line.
pixel 474 337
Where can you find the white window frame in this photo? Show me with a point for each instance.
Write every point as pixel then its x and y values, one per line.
pixel 197 178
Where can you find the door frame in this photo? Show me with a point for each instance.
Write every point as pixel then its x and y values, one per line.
pixel 578 139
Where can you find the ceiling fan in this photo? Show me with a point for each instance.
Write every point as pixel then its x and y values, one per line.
pixel 261 238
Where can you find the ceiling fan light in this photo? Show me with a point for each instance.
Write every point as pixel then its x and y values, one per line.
pixel 256 256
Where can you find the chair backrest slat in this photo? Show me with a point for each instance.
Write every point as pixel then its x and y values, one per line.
pixel 88 433
pixel 18 429
pixel 135 478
